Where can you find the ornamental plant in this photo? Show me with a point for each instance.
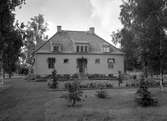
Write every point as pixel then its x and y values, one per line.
pixel 74 94
pixel 143 96
pixel 54 82
pixel 101 94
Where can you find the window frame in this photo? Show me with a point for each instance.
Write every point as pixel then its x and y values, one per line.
pixel 111 62
pixel 51 62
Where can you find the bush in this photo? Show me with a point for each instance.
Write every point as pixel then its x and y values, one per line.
pixel 143 96
pixel 101 93
pixel 74 76
pixel 53 81
pixel 74 94
pixel 30 77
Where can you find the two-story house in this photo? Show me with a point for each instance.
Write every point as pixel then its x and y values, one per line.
pixel 81 52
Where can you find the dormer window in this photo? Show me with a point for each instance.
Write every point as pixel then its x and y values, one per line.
pixel 56 47
pixel 82 48
pixel 106 48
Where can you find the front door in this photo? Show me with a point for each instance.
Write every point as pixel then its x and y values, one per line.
pixel 81 65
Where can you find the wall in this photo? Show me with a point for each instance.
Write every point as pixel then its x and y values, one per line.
pixel 41 65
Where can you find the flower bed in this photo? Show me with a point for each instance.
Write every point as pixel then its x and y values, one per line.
pixel 91 85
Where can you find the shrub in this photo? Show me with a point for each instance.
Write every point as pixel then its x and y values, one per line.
pixel 30 77
pixel 101 93
pixel 143 96
pixel 53 82
pixel 74 94
pixel 108 85
pixel 74 76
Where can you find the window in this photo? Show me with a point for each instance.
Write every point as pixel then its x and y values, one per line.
pixel 97 61
pixel 77 48
pixel 66 60
pixel 51 63
pixel 56 48
pixel 86 48
pixel 111 62
pixel 106 49
pixel 81 48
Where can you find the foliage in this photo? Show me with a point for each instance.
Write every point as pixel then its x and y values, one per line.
pixel 101 93
pixel 91 85
pixel 22 69
pixel 74 93
pixel 143 96
pixel 144 34
pixel 10 36
pixel 128 45
pixel 34 34
pixel 54 80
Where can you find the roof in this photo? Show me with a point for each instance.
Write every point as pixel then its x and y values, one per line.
pixel 70 38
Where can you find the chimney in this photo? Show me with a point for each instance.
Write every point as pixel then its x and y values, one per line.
pixel 91 30
pixel 59 29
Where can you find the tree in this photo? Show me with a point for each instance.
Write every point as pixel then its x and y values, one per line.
pixel 74 94
pixel 144 96
pixel 10 37
pixel 34 34
pixel 146 19
pixel 11 51
pixel 128 45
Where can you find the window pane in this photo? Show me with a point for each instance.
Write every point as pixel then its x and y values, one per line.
pixel 86 49
pixel 77 49
pixel 56 48
pixel 51 62
pixel 81 48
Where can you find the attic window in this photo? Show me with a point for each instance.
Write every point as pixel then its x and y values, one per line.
pixel 106 49
pixel 82 48
pixel 57 47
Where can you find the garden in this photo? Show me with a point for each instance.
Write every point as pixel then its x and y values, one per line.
pixel 34 101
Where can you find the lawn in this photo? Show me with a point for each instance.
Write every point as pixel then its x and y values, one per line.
pixel 32 101
pixel 120 106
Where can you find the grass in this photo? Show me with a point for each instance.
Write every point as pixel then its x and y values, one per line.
pixel 31 101
pixel 119 107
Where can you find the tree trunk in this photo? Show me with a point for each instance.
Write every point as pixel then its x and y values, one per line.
pixel 161 81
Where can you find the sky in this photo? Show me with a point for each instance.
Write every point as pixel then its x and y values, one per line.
pixel 75 15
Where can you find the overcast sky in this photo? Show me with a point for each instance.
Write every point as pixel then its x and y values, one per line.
pixel 75 15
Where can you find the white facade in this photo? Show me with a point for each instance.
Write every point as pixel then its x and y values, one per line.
pixel 41 65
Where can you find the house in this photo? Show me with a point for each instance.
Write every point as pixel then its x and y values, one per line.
pixel 78 52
